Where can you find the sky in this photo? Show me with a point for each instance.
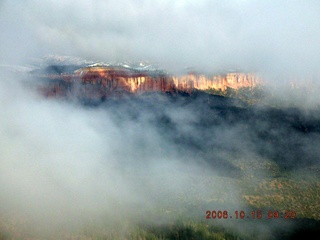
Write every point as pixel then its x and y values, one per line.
pixel 278 37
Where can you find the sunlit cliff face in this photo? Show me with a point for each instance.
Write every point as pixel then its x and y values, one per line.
pixel 232 80
pixel 100 82
pixel 116 79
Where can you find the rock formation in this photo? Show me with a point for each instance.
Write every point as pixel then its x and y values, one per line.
pixel 99 82
pixel 202 82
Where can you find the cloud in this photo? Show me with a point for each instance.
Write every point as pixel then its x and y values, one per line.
pixel 274 37
pixel 65 167
pixel 62 164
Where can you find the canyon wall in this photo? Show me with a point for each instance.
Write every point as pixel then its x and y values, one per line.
pixel 203 82
pixel 121 79
pixel 102 81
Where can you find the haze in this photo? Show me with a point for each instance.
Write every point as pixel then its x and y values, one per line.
pixel 62 164
pixel 276 37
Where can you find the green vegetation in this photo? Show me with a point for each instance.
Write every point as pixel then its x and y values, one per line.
pixel 249 95
pixel 188 230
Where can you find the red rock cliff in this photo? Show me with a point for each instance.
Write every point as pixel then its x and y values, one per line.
pixel 121 79
pixel 101 82
pixel 104 81
pixel 202 82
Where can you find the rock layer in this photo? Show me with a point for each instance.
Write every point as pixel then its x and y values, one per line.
pixel 104 81
pixel 202 82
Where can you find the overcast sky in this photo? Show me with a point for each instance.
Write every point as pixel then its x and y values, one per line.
pixel 254 35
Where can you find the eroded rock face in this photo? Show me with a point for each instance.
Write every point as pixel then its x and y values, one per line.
pixel 121 79
pixel 202 82
pixel 100 82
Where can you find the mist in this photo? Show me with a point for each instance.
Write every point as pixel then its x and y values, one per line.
pixel 274 37
pixel 64 166
pixel 151 159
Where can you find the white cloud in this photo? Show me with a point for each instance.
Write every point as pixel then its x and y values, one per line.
pixel 273 36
